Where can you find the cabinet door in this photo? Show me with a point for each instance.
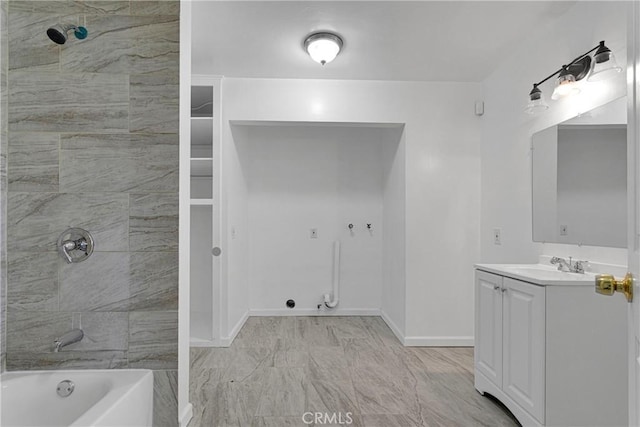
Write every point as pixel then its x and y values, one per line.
pixel 488 339
pixel 524 348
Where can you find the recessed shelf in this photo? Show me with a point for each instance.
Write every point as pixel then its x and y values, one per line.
pixel 202 167
pixel 201 101
pixel 201 138
pixel 201 187
pixel 202 202
pixel 201 151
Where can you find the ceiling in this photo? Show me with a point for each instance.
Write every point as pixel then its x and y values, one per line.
pixel 383 40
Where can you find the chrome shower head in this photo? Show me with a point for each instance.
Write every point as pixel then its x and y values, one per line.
pixel 58 33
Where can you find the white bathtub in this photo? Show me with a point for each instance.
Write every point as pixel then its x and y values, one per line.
pixel 101 398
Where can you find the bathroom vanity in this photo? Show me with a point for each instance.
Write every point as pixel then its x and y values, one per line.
pixel 548 347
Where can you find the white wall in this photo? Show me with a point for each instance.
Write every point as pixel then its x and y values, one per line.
pixel 234 283
pixel 442 138
pixel 301 177
pixel 394 236
pixel 507 130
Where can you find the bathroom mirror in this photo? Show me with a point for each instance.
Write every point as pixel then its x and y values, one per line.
pixel 580 179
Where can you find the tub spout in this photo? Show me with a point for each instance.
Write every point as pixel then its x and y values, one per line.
pixel 68 338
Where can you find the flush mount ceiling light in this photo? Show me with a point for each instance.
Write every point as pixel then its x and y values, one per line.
pixel 323 47
pixel 604 67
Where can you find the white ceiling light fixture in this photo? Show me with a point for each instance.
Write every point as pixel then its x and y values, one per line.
pixel 323 47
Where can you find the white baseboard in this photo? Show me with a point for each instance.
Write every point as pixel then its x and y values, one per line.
pixel 314 312
pixel 199 342
pixel 186 415
pixel 439 341
pixel 394 328
pixel 226 341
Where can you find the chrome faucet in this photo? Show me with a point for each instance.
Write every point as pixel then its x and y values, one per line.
pixel 75 245
pixel 68 338
pixel 568 266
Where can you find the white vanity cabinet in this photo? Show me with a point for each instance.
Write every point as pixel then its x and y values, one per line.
pixel 548 352
pixel 510 338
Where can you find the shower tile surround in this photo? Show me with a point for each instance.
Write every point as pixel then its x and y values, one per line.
pixel 91 140
pixel 4 62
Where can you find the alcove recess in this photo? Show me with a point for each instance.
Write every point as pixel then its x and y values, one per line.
pixel 205 202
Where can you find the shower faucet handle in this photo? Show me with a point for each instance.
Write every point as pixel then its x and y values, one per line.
pixel 351 226
pixel 75 245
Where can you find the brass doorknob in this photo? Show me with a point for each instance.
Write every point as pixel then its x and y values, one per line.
pixel 606 284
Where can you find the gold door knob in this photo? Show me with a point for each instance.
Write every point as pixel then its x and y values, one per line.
pixel 606 284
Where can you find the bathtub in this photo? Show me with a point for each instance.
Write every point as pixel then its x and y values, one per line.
pixel 100 398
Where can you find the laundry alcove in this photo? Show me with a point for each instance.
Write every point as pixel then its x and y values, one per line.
pixel 280 182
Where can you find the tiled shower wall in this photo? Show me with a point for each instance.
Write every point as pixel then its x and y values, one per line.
pixel 3 177
pixel 93 143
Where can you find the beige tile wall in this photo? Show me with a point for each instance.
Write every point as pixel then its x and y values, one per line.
pixel 4 63
pixel 92 142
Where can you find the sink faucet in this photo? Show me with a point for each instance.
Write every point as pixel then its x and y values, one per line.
pixel 68 338
pixel 569 266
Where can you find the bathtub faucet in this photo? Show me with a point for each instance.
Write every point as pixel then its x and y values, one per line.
pixel 68 338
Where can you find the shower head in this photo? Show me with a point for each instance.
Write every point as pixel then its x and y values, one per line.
pixel 58 33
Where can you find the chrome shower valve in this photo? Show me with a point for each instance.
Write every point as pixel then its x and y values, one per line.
pixel 75 245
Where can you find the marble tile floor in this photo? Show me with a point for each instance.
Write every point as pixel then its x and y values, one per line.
pixel 279 368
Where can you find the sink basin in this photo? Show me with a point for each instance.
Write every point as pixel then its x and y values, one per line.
pixel 539 273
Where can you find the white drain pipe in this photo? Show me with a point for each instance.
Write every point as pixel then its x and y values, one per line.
pixel 328 302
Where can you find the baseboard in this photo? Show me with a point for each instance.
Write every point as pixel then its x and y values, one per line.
pixel 315 312
pixel 198 342
pixel 226 341
pixel 394 328
pixel 438 341
pixel 186 415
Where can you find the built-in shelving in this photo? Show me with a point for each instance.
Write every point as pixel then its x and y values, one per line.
pixel 202 142
pixel 204 203
pixel 202 167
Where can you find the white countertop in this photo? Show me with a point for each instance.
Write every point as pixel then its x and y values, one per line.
pixel 539 274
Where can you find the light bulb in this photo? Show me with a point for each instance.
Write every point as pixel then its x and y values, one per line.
pixel 323 47
pixel 565 86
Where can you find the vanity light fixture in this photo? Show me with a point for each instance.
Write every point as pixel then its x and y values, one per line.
pixel 323 47
pixel 566 83
pixel 536 101
pixel 604 67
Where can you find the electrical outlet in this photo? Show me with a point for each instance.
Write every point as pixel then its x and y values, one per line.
pixel 563 230
pixel 314 233
pixel 497 238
